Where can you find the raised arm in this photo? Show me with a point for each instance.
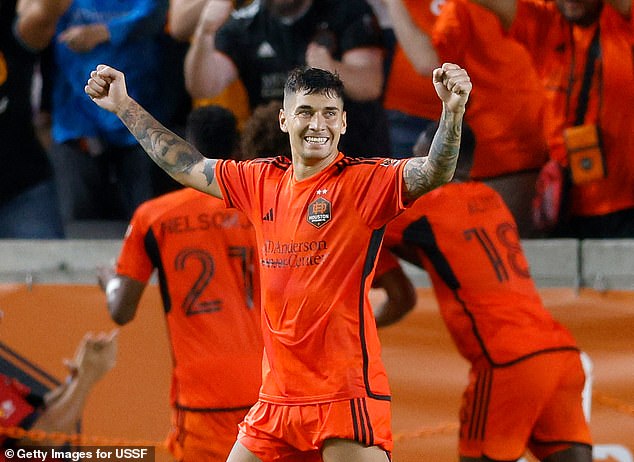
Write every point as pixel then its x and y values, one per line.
pixel 422 174
pixel 37 20
pixel 183 17
pixel 361 68
pixel 207 71
pixel 415 42
pixel 183 162
pixel 95 356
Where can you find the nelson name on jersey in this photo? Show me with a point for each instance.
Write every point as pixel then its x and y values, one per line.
pixel 221 219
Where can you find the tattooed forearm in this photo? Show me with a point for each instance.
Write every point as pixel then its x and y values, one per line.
pixel 422 174
pixel 169 151
pixel 210 171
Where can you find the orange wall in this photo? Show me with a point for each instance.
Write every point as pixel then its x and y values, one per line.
pixel 427 375
pixel 46 323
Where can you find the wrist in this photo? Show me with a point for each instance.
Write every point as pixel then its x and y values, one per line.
pixel 453 112
pixel 124 106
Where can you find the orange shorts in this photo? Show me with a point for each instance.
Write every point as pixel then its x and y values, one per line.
pixel 297 432
pixel 208 436
pixel 535 404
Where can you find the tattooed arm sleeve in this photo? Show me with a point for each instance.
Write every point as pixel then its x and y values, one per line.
pixel 422 174
pixel 177 157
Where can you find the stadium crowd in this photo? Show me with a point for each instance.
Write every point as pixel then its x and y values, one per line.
pixel 553 132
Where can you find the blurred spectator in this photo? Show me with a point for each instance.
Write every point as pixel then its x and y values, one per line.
pixel 175 100
pixel 582 52
pixel 102 173
pixel 262 136
pixel 505 111
pixel 526 378
pixel 183 17
pixel 205 255
pixel 60 410
pixel 261 43
pixel 28 198
pixel 409 94
pixel 214 131
pixel 389 39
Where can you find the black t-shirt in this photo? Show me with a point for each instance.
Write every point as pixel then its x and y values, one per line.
pixel 24 162
pixel 264 50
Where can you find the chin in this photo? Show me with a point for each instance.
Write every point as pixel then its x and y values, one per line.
pixel 318 154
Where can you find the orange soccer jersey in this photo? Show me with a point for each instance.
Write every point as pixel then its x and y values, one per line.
pixel 205 255
pixel 560 52
pixel 318 241
pixel 469 244
pixel 506 108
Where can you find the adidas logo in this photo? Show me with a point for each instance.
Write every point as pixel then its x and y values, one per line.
pixel 268 216
pixel 266 50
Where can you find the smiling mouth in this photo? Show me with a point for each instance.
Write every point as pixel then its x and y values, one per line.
pixel 316 139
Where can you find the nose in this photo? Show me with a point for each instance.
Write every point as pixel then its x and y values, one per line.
pixel 317 121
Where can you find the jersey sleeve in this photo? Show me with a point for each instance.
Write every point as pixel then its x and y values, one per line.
pixel 237 183
pixel 380 192
pixel 134 261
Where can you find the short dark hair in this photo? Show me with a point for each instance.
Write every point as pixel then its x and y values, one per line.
pixel 262 136
pixel 213 130
pixel 310 80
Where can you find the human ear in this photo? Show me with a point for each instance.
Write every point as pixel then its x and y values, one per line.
pixel 282 118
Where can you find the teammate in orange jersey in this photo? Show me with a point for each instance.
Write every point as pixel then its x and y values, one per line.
pixel 205 256
pixel 526 379
pixel 319 219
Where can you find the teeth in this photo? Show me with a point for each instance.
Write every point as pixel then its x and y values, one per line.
pixel 316 139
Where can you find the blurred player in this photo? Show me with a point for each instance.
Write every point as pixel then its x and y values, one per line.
pixel 526 379
pixel 205 256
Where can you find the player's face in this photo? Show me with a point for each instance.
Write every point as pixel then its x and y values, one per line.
pixel 581 12
pixel 314 124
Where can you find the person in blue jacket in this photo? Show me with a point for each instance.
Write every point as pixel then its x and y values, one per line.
pixel 101 171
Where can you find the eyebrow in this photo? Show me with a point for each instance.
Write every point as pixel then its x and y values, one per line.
pixel 306 106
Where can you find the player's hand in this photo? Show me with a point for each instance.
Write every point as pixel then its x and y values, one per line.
pixel 106 87
pixel 214 15
pixel 453 85
pixel 96 355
